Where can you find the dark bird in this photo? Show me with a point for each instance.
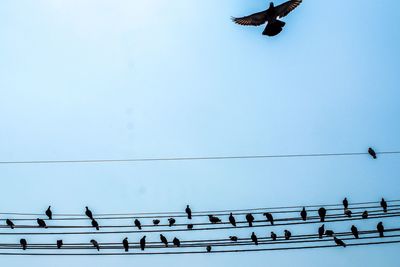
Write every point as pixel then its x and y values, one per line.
pixel 321 231
pixel 354 230
pixel 89 213
pixel 23 243
pixel 339 242
pixel 270 16
pixel 125 243
pixel 273 236
pixel 232 219
pixel 348 213
pixel 372 152
pixel 41 223
pixel 143 242
pixel 10 223
pixel 49 213
pixel 164 240
pixel 345 203
pixel 233 238
pixel 208 248
pixel 59 244
pixel 322 214
pixel 190 226
pixel 176 242
pixel 303 214
pixel 95 244
pixel 365 215
pixel 138 224
pixel 188 212
pixel 269 217
pixel 156 222
pixel 214 219
pixel 254 238
pixel 329 233
pixel 95 224
pixel 288 234
pixel 380 229
pixel 171 221
pixel 250 219
pixel 384 205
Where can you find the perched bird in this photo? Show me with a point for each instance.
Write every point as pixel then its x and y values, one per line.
pixel 164 240
pixel 273 236
pixel 176 242
pixel 380 229
pixel 354 230
pixel 339 242
pixel 303 214
pixel 233 238
pixel 384 205
pixel 10 223
pixel 190 226
pixel 49 213
pixel 156 222
pixel 89 213
pixel 143 242
pixel 345 203
pixel 214 219
pixel 322 214
pixel 250 219
pixel 365 215
pixel 329 233
pixel 348 213
pixel 254 238
pixel 321 231
pixel 269 217
pixel 138 224
pixel 41 223
pixel 95 244
pixel 232 219
pixel 288 234
pixel 23 243
pixel 188 212
pixel 95 224
pixel 59 244
pixel 171 221
pixel 208 248
pixel 270 16
pixel 125 244
pixel 372 153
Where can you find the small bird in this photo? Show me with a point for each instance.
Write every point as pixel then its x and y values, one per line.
pixel 303 214
pixel 372 153
pixel 125 244
pixel 380 229
pixel 254 238
pixel 95 244
pixel 164 240
pixel 171 221
pixel 190 226
pixel 232 219
pixel 329 233
pixel 270 16
pixel 23 243
pixel 10 223
pixel 214 219
pixel 89 213
pixel 188 212
pixel 41 223
pixel 138 224
pixel 269 217
pixel 95 224
pixel 384 205
pixel 345 203
pixel 321 231
pixel 176 242
pixel 273 236
pixel 365 215
pixel 143 243
pixel 348 213
pixel 250 219
pixel 59 244
pixel 288 234
pixel 339 242
pixel 49 213
pixel 208 248
pixel 322 214
pixel 233 238
pixel 156 222
pixel 354 230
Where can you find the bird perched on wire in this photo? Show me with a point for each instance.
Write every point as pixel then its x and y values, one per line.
pixel 171 221
pixel 250 219
pixel 288 234
pixel 303 214
pixel 188 212
pixel 254 238
pixel 176 242
pixel 321 231
pixel 143 243
pixel 372 152
pixel 89 213
pixel 270 16
pixel 190 226
pixel 365 215
pixel 273 236
pixel 95 224
pixel 59 244
pixel 10 223
pixel 322 214
pixel 380 229
pixel 125 244
pixel 232 219
pixel 49 213
pixel 41 223
pixel 164 240
pixel 95 244
pixel 269 217
pixel 329 233
pixel 208 248
pixel 354 230
pixel 214 219
pixel 348 213
pixel 23 243
pixel 339 242
pixel 345 203
pixel 156 222
pixel 233 238
pixel 384 205
pixel 138 224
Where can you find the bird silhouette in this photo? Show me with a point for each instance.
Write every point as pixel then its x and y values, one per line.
pixel 384 205
pixel 365 215
pixel 59 244
pixel 156 222
pixel 303 214
pixel 254 238
pixel 95 244
pixel 380 229
pixel 95 224
pixel 339 242
pixel 288 234
pixel 10 223
pixel 354 230
pixel 138 224
pixel 23 243
pixel 190 226
pixel 89 213
pixel 345 203
pixel 372 153
pixel 233 238
pixel 41 223
pixel 214 219
pixel 49 213
pixel 250 219
pixel 348 213
pixel 171 221
pixel 208 248
pixel 164 240
pixel 329 233
pixel 273 236
pixel 176 242
pixel 269 217
pixel 270 16
pixel 322 214
pixel 188 212
pixel 143 243
pixel 321 231
pixel 125 244
pixel 232 219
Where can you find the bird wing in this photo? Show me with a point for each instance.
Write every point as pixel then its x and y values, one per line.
pixel 255 19
pixel 283 9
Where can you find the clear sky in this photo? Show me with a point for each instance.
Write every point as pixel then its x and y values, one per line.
pixel 153 78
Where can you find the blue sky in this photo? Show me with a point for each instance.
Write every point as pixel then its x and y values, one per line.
pixel 155 78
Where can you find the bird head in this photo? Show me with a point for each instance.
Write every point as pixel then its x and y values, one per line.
pixel 271 5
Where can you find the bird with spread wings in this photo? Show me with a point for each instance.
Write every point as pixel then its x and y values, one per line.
pixel 270 16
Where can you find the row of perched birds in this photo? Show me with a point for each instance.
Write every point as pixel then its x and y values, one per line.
pixel 322 212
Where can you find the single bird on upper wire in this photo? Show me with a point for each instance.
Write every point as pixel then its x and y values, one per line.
pixel 208 248
pixel 270 16
pixel 214 219
pixel 303 214
pixel 95 224
pixel 329 233
pixel 345 203
pixel 254 238
pixel 381 229
pixel 339 242
pixel 322 214
pixel 156 222
pixel 273 236
pixel 41 223
pixel 233 238
pixel 384 205
pixel 23 243
pixel 372 152
pixel 269 217
pixel 321 231
pixel 95 244
pixel 354 231
pixel 89 213
pixel 10 223
pixel 143 243
pixel 176 242
pixel 59 243
pixel 365 215
pixel 250 219
pixel 232 219
pixel 188 212
pixel 138 224
pixel 49 213
pixel 125 244
pixel 164 240
pixel 171 221
pixel 288 234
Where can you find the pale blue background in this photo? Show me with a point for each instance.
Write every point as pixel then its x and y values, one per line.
pixel 114 79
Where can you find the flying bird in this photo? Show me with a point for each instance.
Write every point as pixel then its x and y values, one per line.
pixel 288 234
pixel 143 243
pixel 384 205
pixel 339 242
pixel 125 243
pixel 214 219
pixel 171 221
pixel 233 238
pixel 303 214
pixel 232 219
pixel 41 223
pixel 176 242
pixel 250 219
pixel 254 238
pixel 95 244
pixel 322 214
pixel 345 203
pixel 164 240
pixel 156 222
pixel 59 244
pixel 321 231
pixel 380 229
pixel 354 230
pixel 23 243
pixel 208 248
pixel 188 212
pixel 138 224
pixel 270 16
pixel 89 213
pixel 372 153
pixel 49 213
pixel 269 217
pixel 95 224
pixel 10 223
pixel 365 215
